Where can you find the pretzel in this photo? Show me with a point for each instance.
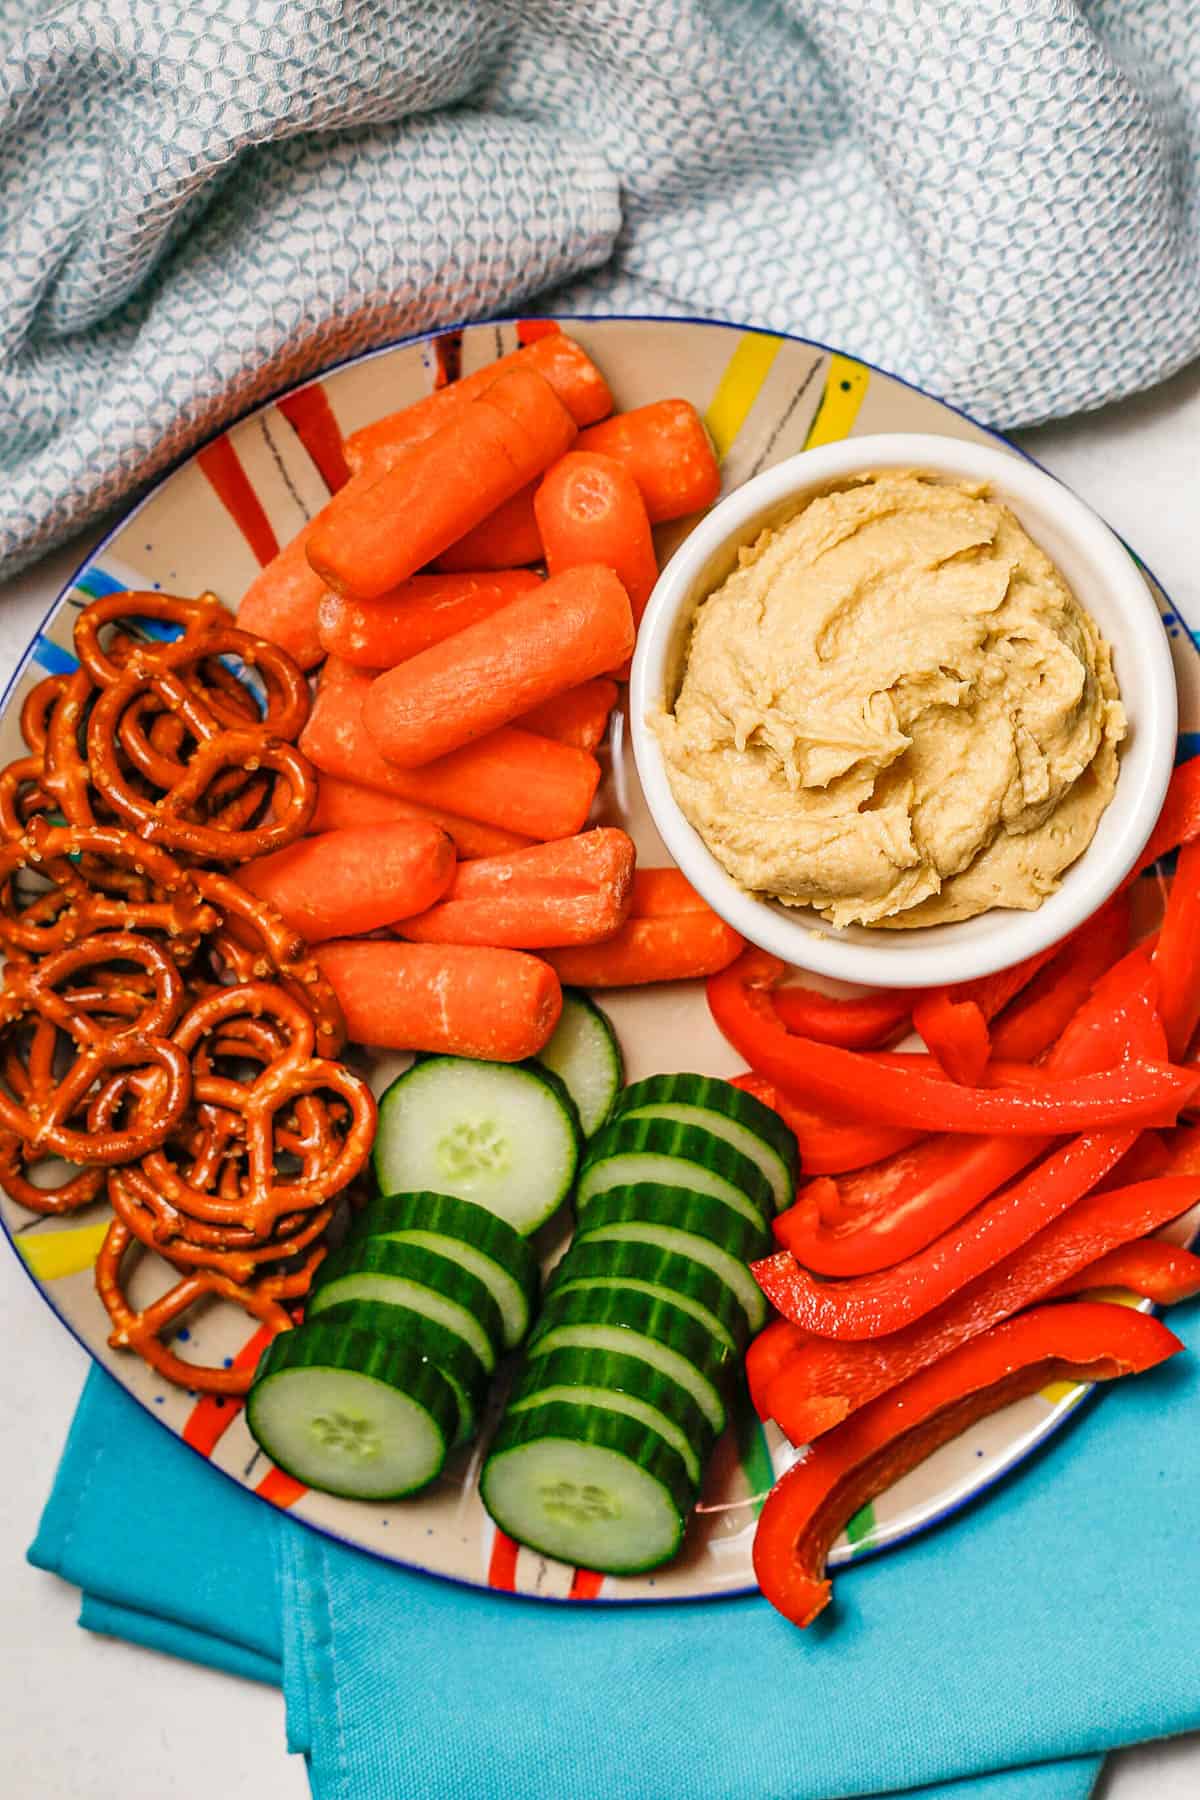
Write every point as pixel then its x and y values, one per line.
pixel 43 1122
pixel 255 943
pixel 193 617
pixel 142 1329
pixel 36 709
pixel 161 895
pixel 78 1190
pixel 132 1198
pixel 22 795
pixel 65 774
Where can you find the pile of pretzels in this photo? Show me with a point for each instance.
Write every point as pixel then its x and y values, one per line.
pixel 162 1030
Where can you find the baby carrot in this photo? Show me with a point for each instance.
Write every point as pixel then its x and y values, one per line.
pixel 378 634
pixel 579 717
pixel 344 804
pixel 507 539
pixel 346 882
pixel 558 359
pixel 510 778
pixel 664 949
pixel 660 893
pixel 589 510
pixel 666 449
pixel 281 602
pixel 368 539
pixel 572 892
pixel 563 632
pixel 447 998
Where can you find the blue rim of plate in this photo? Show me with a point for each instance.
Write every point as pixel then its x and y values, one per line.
pixel 1032 1442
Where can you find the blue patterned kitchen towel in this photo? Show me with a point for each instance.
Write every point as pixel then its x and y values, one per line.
pixel 200 204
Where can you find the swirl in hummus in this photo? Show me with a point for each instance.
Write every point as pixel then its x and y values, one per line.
pixel 895 710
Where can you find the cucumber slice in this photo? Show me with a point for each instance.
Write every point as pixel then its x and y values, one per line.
pixel 409 1275
pixel 450 1354
pixel 662 1274
pixel 623 1384
pixel 504 1135
pixel 467 1234
pixel 733 1273
pixel 654 1203
pixel 360 1416
pixel 585 1055
pixel 632 1324
pixel 587 1486
pixel 630 1151
pixel 728 1113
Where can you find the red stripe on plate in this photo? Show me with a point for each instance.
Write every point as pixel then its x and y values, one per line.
pixel 312 419
pixel 221 467
pixel 530 330
pixel 447 358
pixel 585 1584
pixel 213 1414
pixel 502 1568
pixel 280 1489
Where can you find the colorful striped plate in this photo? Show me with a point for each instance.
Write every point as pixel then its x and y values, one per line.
pixel 212 524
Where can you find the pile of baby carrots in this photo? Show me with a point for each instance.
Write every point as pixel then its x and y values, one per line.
pixel 449 882
pixel 1029 1151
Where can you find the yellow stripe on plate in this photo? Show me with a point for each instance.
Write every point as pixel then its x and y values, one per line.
pixel 845 390
pixel 52 1254
pixel 739 388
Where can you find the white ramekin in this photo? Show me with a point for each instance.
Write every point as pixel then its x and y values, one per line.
pixel 1106 581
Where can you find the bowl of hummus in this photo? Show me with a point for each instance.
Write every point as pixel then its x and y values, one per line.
pixel 903 710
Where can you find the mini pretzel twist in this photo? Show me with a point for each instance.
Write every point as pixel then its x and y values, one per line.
pixel 142 1329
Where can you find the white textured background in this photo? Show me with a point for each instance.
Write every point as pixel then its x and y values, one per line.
pixel 92 1718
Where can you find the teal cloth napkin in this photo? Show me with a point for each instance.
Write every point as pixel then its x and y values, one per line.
pixel 1043 1626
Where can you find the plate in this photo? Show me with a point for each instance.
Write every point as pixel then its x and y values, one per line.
pixel 212 523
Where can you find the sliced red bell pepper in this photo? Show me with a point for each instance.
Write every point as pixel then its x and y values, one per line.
pixel 827 1146
pixel 851 1086
pixel 894 1209
pixel 1177 955
pixel 1080 1340
pixel 867 1306
pixel 1179 820
pixel 992 993
pixel 956 1033
pixel 857 1024
pixel 815 1381
pixel 1158 1271
pixel 774 1346
pixel 1046 1007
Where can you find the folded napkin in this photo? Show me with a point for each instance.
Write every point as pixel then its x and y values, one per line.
pixel 1042 1626
pixel 199 204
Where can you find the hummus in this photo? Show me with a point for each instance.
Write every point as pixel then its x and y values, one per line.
pixel 895 710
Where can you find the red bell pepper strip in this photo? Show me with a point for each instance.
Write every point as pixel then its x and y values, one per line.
pixel 808 1507
pixel 894 1209
pixel 1044 1010
pixel 850 1086
pixel 1179 820
pixel 1158 1271
pixel 769 1352
pixel 867 1306
pixel 1177 956
pixel 992 993
pixel 827 1146
pixel 815 1381
pixel 956 1033
pixel 858 1024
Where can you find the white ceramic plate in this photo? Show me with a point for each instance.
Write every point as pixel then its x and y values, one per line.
pixel 211 524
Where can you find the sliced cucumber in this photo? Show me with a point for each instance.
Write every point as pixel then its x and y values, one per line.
pixel 449 1353
pixel 728 1113
pixel 352 1414
pixel 467 1234
pixel 630 1151
pixel 663 1275
pixel 734 1274
pixel 588 1486
pixel 632 1324
pixel 656 1203
pixel 585 1055
pixel 623 1384
pixel 504 1135
pixel 409 1275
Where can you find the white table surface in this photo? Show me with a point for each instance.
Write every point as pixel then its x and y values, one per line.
pixel 94 1717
